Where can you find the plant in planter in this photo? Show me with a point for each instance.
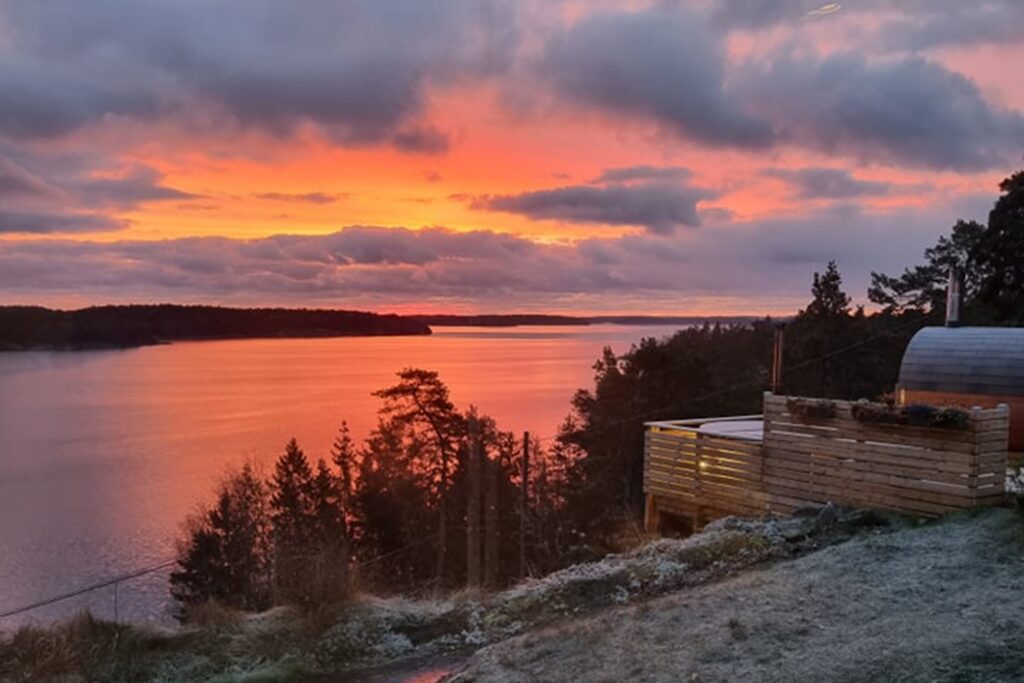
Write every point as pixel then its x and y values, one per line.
pixel 951 418
pixel 811 409
pixel 919 415
pixel 876 413
pixel 914 415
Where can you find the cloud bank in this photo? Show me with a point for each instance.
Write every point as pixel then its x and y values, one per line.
pixel 658 206
pixel 366 264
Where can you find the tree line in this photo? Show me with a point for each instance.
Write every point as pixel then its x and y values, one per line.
pixel 832 350
pixel 28 327
pixel 405 502
pixel 397 506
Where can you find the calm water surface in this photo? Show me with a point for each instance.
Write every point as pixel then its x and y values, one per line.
pixel 104 453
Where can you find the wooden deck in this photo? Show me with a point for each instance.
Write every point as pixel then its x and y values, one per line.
pixel 803 461
pixel 701 476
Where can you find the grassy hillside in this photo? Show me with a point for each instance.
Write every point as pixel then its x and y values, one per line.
pixel 284 645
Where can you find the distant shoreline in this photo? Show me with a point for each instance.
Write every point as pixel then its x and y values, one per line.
pixel 542 320
pixel 34 328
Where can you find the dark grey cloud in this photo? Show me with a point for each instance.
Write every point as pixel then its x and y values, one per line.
pixel 642 172
pixel 754 14
pixel 361 72
pixel 909 111
pixel 39 99
pixel 662 63
pixel 15 222
pixel 357 70
pixel 666 64
pixel 660 207
pixel 828 183
pixel 954 23
pixel 421 140
pixel 906 25
pixel 139 185
pixel 46 190
pixel 303 197
pixel 17 183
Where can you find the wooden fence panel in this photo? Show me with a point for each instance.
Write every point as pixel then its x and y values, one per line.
pixel 805 461
pixel 703 476
pixel 897 467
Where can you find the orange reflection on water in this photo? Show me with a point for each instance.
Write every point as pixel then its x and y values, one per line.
pixel 105 453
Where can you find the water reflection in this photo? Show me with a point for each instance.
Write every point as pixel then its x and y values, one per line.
pixel 103 454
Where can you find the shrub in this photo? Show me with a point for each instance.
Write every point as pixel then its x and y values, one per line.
pixel 951 418
pixel 875 413
pixel 82 645
pixel 811 409
pixel 914 415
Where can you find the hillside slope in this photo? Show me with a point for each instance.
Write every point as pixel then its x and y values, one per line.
pixel 937 602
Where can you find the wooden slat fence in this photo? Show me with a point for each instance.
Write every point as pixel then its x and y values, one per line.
pixel 921 470
pixel 809 461
pixel 702 476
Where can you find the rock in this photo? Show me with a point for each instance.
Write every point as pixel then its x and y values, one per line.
pixel 827 517
pixel 424 630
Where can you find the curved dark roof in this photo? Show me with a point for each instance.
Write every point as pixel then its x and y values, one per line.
pixel 965 360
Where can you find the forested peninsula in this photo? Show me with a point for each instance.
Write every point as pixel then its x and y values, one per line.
pixel 537 319
pixel 34 327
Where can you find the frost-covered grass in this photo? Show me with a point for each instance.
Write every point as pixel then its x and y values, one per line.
pixel 283 645
pixel 938 601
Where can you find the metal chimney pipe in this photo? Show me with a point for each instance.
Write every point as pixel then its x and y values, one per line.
pixel 954 297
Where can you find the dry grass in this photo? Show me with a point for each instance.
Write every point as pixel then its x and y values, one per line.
pixel 82 644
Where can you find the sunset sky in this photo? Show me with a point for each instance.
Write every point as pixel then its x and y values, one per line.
pixel 486 156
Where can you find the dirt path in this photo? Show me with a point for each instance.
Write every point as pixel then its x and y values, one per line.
pixel 938 602
pixel 414 670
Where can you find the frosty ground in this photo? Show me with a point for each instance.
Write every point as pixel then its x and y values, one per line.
pixel 827 595
pixel 286 645
pixel 941 601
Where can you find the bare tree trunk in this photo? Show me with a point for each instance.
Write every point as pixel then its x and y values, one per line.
pixel 491 535
pixel 523 502
pixel 442 523
pixel 473 507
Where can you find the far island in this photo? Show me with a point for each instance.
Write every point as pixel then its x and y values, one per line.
pixel 99 327
pixel 34 327
pixel 539 319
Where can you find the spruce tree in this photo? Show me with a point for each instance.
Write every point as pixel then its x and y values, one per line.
pixel 331 548
pixel 226 556
pixel 344 456
pixel 1000 255
pixel 291 505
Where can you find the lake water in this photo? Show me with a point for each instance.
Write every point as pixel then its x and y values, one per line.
pixel 104 453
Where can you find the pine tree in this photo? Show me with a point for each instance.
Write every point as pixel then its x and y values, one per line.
pixel 392 506
pixel 345 458
pixel 1000 254
pixel 830 301
pixel 291 505
pixel 330 542
pixel 226 557
pixel 923 287
pixel 419 404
